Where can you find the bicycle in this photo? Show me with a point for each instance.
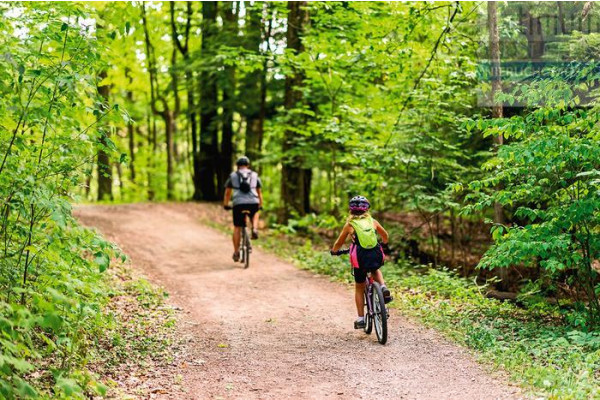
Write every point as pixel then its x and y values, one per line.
pixel 376 313
pixel 245 243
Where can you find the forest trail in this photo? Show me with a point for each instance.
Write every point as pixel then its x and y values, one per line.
pixel 274 331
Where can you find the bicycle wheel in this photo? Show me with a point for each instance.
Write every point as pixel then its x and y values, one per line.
pixel 379 313
pixel 246 240
pixel 368 317
pixel 243 246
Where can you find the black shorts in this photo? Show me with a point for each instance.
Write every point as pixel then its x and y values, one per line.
pixel 360 274
pixel 369 260
pixel 239 216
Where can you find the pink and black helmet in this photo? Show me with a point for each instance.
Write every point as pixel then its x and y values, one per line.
pixel 359 204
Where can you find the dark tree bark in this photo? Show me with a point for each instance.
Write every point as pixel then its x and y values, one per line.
pixel 131 133
pixel 192 113
pixel 260 128
pixel 209 146
pixel 104 165
pixel 535 36
pixel 295 179
pixel 230 29
pixel 497 111
pixel 561 18
pixel 169 116
pixel 252 84
pixel 153 145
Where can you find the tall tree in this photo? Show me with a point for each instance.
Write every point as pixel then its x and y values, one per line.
pixel 253 82
pixel 497 109
pixel 295 179
pixel 192 112
pixel 168 115
pixel 209 146
pixel 104 164
pixel 130 130
pixel 230 33
pixel 532 25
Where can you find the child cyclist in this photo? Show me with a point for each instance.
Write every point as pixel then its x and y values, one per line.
pixel 366 254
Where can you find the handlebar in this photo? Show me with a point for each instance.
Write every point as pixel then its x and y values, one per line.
pixel 229 208
pixel 339 252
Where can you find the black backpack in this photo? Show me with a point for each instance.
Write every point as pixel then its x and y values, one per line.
pixel 244 182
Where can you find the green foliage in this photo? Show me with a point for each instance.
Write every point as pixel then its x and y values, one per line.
pixel 548 175
pixel 51 122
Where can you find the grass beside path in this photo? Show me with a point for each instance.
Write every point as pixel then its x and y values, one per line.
pixel 534 347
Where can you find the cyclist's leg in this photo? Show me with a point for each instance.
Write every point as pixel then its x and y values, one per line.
pixel 238 223
pixel 359 293
pixel 255 218
pixel 237 233
pixel 378 276
pixel 360 276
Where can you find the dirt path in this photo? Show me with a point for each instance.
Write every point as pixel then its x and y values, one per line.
pixel 274 331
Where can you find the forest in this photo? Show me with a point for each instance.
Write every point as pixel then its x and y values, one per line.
pixel 472 128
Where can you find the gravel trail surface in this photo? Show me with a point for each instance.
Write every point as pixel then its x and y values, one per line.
pixel 274 331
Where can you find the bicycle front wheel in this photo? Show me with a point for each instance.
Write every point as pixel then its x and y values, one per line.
pixel 379 313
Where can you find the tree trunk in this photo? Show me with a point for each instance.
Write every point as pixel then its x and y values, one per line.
pixel 208 98
pixel 191 101
pixel 230 28
pixel 260 129
pixel 496 111
pixel 131 134
pixel 151 145
pixel 104 165
pixel 561 18
pixel 295 179
pixel 169 116
pixel 252 83
pixel 170 127
pixel 535 38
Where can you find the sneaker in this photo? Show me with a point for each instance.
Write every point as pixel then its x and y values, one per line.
pixel 359 324
pixel 387 296
pixel 236 256
pixel 254 234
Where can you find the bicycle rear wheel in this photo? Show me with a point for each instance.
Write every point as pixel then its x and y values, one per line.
pixel 243 246
pixel 379 313
pixel 247 246
pixel 368 317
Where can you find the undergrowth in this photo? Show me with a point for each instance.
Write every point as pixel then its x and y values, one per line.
pixel 78 322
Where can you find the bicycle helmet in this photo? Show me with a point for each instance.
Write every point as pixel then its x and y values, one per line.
pixel 359 205
pixel 243 160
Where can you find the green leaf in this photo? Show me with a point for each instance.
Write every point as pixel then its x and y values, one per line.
pixel 102 260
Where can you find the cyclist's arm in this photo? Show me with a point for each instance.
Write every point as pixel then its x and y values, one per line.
pixel 342 238
pixel 382 232
pixel 260 198
pixel 227 196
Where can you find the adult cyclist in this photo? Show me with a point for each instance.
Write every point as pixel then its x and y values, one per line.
pixel 243 187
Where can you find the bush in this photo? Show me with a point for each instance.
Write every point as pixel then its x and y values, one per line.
pixel 549 174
